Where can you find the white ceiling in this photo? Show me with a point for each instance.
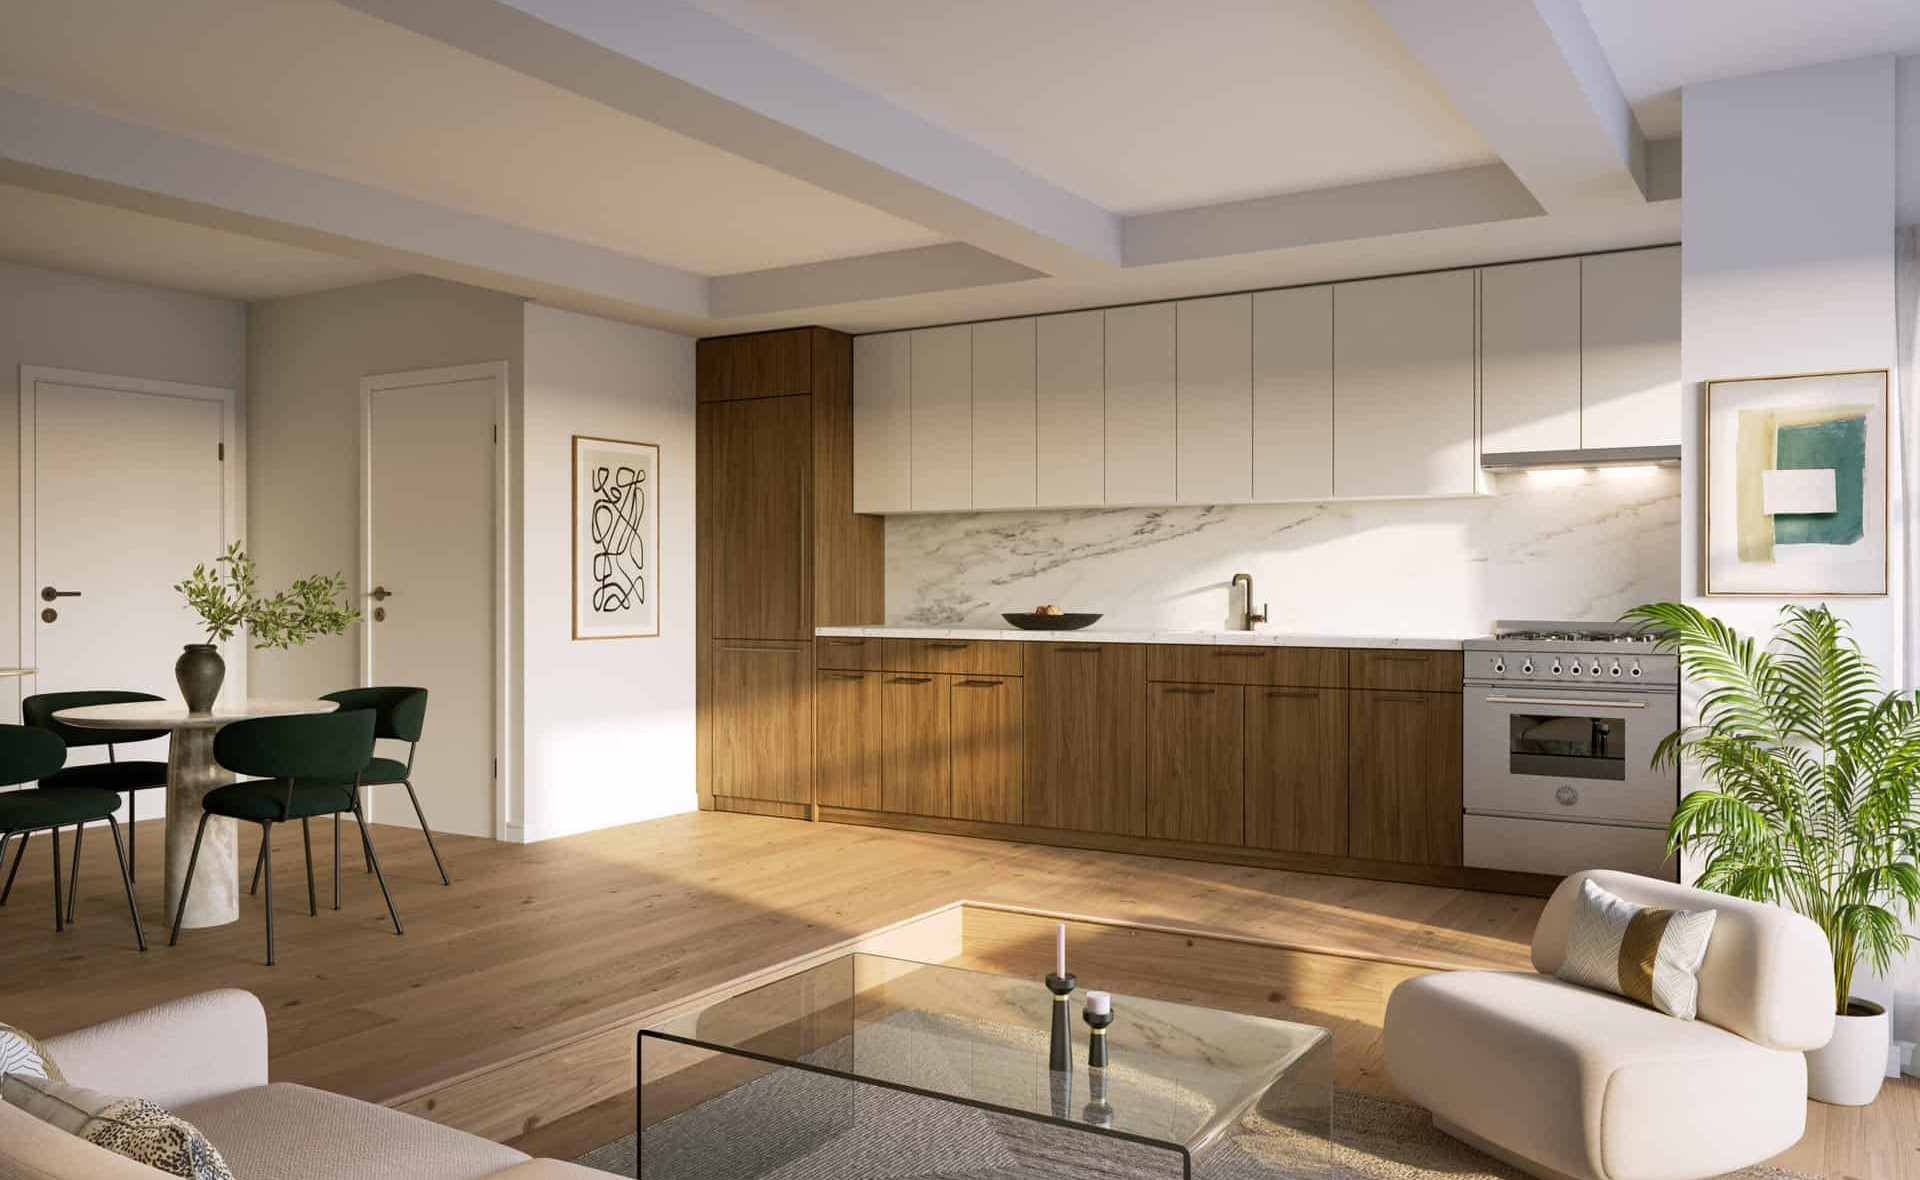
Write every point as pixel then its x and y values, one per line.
pixel 1144 105
pixel 63 233
pixel 315 84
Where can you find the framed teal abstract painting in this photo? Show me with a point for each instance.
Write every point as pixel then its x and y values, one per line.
pixel 1797 485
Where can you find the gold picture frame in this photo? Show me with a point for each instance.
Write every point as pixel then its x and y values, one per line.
pixel 615 545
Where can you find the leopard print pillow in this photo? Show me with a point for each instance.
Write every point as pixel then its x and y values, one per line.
pixel 131 1127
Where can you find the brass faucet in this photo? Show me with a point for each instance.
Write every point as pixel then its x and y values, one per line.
pixel 1247 616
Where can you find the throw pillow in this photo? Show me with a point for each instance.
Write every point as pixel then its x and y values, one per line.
pixel 131 1127
pixel 22 1054
pixel 1648 955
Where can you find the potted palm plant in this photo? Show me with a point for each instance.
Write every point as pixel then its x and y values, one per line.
pixel 1809 772
pixel 226 596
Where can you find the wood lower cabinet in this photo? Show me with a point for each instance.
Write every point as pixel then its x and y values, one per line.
pixel 1297 770
pixel 1086 737
pixel 917 757
pixel 847 769
pixel 1404 779
pixel 989 764
pixel 1196 762
pixel 760 720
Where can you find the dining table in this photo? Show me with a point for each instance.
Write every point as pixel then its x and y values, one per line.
pixel 191 773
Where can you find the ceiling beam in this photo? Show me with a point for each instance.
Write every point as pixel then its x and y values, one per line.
pixel 920 271
pixel 674 65
pixel 1531 76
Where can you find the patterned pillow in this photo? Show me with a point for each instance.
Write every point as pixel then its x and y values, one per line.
pixel 1647 955
pixel 131 1127
pixel 20 1053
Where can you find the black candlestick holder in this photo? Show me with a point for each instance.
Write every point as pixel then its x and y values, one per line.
pixel 1060 1048
pixel 1097 1042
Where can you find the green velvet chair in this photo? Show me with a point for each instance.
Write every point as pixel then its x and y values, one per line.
pixel 27 754
pixel 129 777
pixel 402 716
pixel 309 764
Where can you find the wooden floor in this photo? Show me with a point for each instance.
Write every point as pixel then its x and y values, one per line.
pixel 533 935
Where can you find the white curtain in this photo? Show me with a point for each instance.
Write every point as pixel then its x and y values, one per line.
pixel 1907 419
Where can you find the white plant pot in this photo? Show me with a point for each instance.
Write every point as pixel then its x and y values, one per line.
pixel 1849 1070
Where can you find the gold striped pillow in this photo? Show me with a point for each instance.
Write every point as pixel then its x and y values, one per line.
pixel 1648 955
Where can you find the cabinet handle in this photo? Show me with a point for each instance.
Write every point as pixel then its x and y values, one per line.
pixel 844 642
pixel 1254 652
pixel 1293 692
pixel 1190 690
pixel 1417 698
pixel 978 683
pixel 911 680
pixel 949 644
pixel 1567 702
pixel 1414 657
pixel 846 676
pixel 783 651
pixel 1076 647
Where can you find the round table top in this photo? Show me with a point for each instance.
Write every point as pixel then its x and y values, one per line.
pixel 174 715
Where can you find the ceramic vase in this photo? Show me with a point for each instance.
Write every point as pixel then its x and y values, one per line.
pixel 199 671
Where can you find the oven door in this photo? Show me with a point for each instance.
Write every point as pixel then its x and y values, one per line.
pixel 1567 753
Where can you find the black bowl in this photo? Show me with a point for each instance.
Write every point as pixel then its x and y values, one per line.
pixel 1030 622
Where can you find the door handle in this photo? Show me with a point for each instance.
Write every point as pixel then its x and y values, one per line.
pixel 379 594
pixel 48 593
pixel 1567 702
pixel 978 683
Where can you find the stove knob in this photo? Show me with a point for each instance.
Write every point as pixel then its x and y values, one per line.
pixel 1556 667
pixel 1573 669
pixel 1615 670
pixel 1596 668
pixel 1527 668
pixel 1499 665
pixel 1635 670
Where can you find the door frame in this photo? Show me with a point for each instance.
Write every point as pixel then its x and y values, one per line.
pixel 232 491
pixel 505 815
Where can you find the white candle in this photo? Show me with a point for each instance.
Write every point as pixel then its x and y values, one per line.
pixel 1100 1003
pixel 1060 951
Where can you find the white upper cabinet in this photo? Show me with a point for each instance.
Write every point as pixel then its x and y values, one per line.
pixel 882 423
pixel 1140 404
pixel 1293 394
pixel 1070 419
pixel 942 428
pixel 1003 415
pixel 1213 400
pixel 1630 319
pixel 1530 356
pixel 1403 394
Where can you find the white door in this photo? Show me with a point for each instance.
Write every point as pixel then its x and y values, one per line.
pixel 430 515
pixel 124 488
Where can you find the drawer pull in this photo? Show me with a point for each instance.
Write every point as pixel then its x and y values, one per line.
pixel 978 683
pixel 844 642
pixel 949 644
pixel 1411 657
pixel 1416 698
pixel 1566 702
pixel 911 680
pixel 1244 652
pixel 1076 647
pixel 846 676
pixel 1293 692
pixel 763 651
pixel 1188 689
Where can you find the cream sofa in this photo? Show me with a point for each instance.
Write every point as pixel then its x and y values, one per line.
pixel 1572 1084
pixel 205 1058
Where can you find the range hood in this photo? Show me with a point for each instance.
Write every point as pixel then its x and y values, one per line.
pixel 1665 456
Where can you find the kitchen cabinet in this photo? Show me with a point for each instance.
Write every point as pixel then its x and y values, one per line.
pixel 1004 471
pixel 847 726
pixel 1630 348
pixel 1296 775
pixel 989 748
pixel 764 364
pixel 1085 736
pixel 1070 414
pixel 917 758
pixel 1530 379
pixel 1405 668
pixel 1140 404
pixel 1196 763
pixel 1404 799
pixel 1293 394
pixel 983 656
pixel 755 471
pixel 941 422
pixel 760 711
pixel 882 423
pixel 1403 395
pixel 1249 664
pixel 1213 400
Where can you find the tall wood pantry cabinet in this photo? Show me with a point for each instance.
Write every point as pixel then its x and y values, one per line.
pixel 779 551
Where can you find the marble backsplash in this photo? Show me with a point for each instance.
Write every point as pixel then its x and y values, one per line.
pixel 1582 545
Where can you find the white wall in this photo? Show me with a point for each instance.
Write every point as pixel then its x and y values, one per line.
pixel 1788 267
pixel 606 726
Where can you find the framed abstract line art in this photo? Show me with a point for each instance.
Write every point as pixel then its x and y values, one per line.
pixel 616 538
pixel 1797 485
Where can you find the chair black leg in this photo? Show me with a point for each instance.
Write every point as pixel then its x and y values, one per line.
pixel 126 881
pixel 133 837
pixel 336 860
pixel 6 838
pixel 186 886
pixel 306 842
pixel 18 856
pixel 366 845
pixel 59 908
pixel 361 819
pixel 258 859
pixel 426 831
pixel 266 843
pixel 73 873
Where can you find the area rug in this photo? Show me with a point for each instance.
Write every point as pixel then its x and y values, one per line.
pixel 1373 1139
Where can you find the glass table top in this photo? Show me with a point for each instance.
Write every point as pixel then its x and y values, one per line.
pixel 1179 1075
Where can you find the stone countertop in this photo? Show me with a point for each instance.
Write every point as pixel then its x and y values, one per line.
pixel 1099 634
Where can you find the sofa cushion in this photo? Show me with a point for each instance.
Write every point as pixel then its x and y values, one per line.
pixel 132 1128
pixel 1587 1084
pixel 289 1132
pixel 1649 955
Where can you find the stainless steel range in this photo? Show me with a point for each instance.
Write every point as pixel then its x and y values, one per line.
pixel 1560 723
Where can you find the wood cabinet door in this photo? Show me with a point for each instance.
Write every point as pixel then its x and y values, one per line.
pixel 755 567
pixel 989 753
pixel 761 717
pixel 942 418
pixel 1403 389
pixel 847 770
pixel 1213 400
pixel 1003 414
pixel 1196 763
pixel 1630 349
pixel 1140 404
pixel 917 767
pixel 1297 769
pixel 1404 784
pixel 1293 394
pixel 1086 726
pixel 764 364
pixel 882 423
pixel 1070 415
pixel 1530 356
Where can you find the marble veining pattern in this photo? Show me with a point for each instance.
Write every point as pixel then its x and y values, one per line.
pixel 1584 544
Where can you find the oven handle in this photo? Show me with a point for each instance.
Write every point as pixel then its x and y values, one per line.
pixel 1568 702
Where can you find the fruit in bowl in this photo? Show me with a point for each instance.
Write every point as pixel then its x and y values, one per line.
pixel 1049 618
pixel 1048 609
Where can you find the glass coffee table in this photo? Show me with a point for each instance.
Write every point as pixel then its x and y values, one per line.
pixel 870 1068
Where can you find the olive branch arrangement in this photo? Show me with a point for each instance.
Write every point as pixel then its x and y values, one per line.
pixel 226 596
